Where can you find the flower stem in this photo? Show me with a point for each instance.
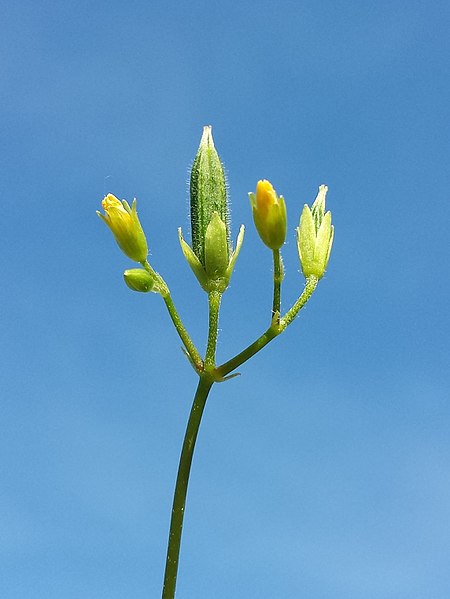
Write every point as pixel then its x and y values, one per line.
pixel 273 331
pixel 179 499
pixel 214 299
pixel 206 381
pixel 278 276
pixel 310 287
pixel 184 336
pixel 248 352
pixel 163 289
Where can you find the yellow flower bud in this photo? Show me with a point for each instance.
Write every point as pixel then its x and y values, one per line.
pixel 269 215
pixel 127 230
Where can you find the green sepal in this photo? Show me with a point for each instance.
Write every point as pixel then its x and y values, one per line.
pixel 323 241
pixel 216 248
pixel 219 278
pixel 306 238
pixel 318 207
pixel 235 254
pixel 193 262
pixel 330 245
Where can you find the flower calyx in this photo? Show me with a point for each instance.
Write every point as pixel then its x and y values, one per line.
pixel 315 235
pixel 219 264
pixel 211 256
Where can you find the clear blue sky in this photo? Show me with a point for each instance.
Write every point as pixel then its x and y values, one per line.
pixel 323 472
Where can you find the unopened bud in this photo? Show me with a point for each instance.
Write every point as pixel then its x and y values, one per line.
pixel 211 256
pixel 138 279
pixel 269 214
pixel 127 230
pixel 315 236
pixel 208 193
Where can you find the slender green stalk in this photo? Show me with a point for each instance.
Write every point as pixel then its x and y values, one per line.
pixel 248 352
pixel 179 499
pixel 278 276
pixel 184 335
pixel 204 386
pixel 214 299
pixel 205 383
pixel 273 331
pixel 310 287
pixel 179 326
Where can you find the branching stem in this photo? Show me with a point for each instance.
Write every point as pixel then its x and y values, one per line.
pixel 207 377
pixel 273 331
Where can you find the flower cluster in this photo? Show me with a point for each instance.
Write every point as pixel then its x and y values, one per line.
pixel 211 257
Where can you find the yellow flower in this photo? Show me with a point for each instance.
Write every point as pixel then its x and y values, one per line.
pixel 269 214
pixel 127 230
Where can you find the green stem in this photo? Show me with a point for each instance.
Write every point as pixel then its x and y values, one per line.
pixel 278 276
pixel 179 499
pixel 179 326
pixel 248 352
pixel 184 335
pixel 310 287
pixel 214 299
pixel 273 331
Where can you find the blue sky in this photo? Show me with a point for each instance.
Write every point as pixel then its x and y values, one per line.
pixel 321 472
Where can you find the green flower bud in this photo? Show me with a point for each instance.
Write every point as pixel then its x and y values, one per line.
pixel 139 279
pixel 315 236
pixel 127 230
pixel 269 214
pixel 211 257
pixel 208 194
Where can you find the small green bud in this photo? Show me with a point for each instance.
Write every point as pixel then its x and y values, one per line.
pixel 211 257
pixel 127 230
pixel 269 214
pixel 208 193
pixel 315 235
pixel 139 279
